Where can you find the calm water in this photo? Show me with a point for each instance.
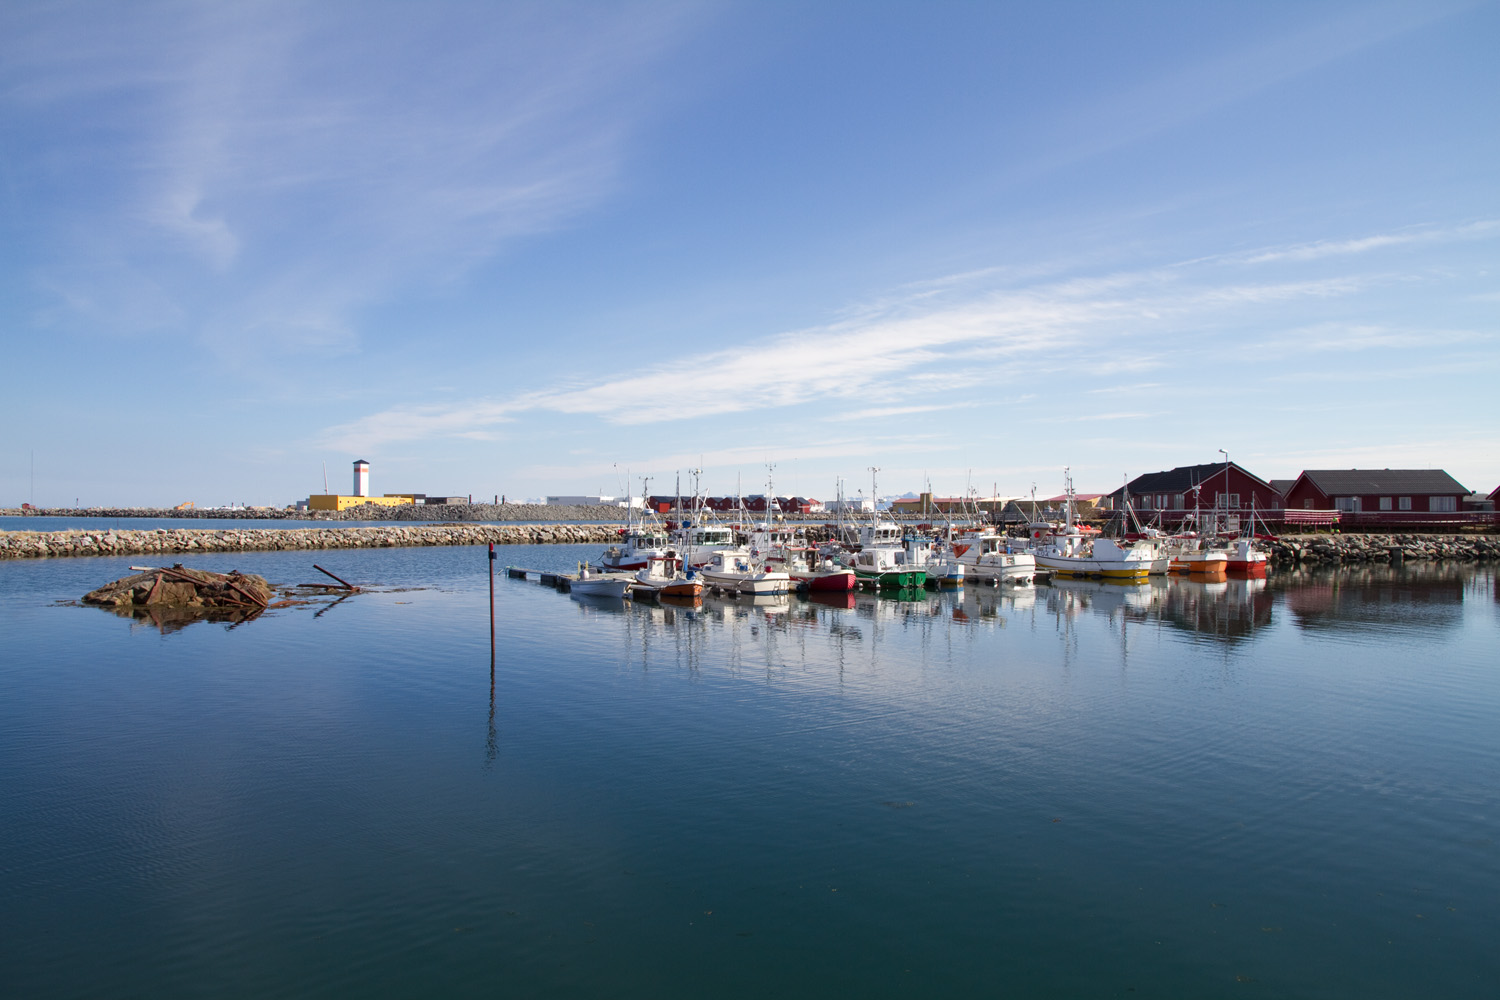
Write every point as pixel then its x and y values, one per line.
pixel 1079 791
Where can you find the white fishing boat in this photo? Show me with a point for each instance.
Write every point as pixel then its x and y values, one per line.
pixel 595 584
pixel 636 547
pixel 1071 552
pixel 995 558
pixel 734 570
pixel 662 577
pixel 698 543
pixel 639 541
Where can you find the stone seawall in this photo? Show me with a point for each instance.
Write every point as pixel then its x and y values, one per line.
pixel 177 541
pixel 368 512
pixel 1314 550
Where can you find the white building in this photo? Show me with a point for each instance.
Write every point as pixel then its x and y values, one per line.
pixel 592 501
pixel 855 505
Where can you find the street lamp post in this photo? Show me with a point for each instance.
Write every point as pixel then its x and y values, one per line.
pixel 1225 504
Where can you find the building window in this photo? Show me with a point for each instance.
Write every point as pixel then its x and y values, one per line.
pixel 1385 503
pixel 1350 504
pixel 1178 501
pixel 1307 504
pixel 1442 505
pixel 1403 503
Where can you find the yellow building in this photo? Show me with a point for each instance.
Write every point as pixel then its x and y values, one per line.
pixel 333 501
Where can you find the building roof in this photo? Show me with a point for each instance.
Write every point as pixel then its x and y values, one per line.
pixel 1181 479
pixel 1283 486
pixel 360 461
pixel 1495 493
pixel 1358 482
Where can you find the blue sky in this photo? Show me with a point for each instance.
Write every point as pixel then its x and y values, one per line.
pixel 523 249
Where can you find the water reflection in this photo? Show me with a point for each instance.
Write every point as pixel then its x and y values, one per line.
pixel 1227 611
pixel 1376 598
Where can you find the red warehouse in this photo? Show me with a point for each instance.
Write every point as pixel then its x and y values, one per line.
pixel 1392 491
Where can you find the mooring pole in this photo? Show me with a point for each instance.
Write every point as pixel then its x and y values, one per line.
pixel 492 609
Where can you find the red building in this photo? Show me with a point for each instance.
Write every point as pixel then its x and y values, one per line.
pixel 1402 493
pixel 1215 486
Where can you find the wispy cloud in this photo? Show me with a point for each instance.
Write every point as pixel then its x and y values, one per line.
pixel 898 355
pixel 1338 248
pixel 1349 338
pixel 274 167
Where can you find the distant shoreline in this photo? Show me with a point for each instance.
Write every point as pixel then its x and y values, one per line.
pixel 551 513
pixel 198 541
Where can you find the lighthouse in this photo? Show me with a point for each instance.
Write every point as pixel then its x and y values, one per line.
pixel 361 478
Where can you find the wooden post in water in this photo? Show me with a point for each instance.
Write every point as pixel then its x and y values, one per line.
pixel 492 611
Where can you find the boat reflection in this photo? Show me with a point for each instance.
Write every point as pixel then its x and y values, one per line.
pixel 1218 610
pixel 843 599
pixel 1225 610
pixel 1228 611
pixel 600 603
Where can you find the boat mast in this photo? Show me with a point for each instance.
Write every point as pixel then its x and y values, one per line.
pixel 645 492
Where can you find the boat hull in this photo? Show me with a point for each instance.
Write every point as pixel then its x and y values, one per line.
pixel 903 579
pixel 1009 569
pixel 754 584
pixel 1251 569
pixel 835 581
pixel 1090 569
pixel 601 587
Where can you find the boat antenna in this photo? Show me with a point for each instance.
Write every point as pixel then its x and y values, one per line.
pixel 770 492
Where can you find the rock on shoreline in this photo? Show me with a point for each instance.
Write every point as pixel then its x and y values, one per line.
pixel 174 541
pixel 1314 550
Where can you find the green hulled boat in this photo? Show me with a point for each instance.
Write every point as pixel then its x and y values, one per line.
pixel 885 570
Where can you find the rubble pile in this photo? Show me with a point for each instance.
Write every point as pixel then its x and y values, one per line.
pixel 179 588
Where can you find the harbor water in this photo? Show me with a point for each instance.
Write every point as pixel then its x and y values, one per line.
pixel 1280 788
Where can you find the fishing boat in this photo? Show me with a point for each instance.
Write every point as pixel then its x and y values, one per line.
pixel 943 568
pixel 886 569
pixel 699 542
pixel 636 547
pixel 994 558
pixel 810 572
pixel 882 562
pixel 639 541
pixel 1192 557
pixel 595 584
pixel 1070 551
pixel 662 577
pixel 1071 554
pixel 1245 560
pixel 734 570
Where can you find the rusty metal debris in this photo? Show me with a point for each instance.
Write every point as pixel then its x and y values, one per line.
pixel 177 586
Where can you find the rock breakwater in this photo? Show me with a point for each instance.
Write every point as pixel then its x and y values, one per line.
pixel 176 541
pixel 368 512
pixel 1294 550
